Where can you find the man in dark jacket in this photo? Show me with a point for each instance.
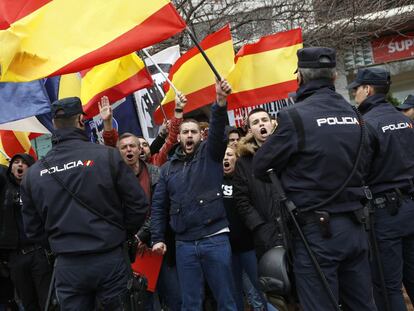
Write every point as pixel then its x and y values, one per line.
pixel 189 191
pixel 30 270
pixel 391 181
pixel 313 150
pixel 86 200
pixel 253 196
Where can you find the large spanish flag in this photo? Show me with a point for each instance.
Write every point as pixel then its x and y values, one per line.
pixel 47 38
pixel 192 76
pixel 264 71
pixel 12 142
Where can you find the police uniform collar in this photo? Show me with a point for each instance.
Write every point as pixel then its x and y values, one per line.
pixel 306 90
pixel 65 134
pixel 371 102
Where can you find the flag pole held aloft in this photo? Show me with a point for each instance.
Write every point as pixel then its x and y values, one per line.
pixel 204 54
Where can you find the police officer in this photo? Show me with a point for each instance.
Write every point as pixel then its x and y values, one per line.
pixel 86 200
pixel 391 181
pixel 407 107
pixel 313 150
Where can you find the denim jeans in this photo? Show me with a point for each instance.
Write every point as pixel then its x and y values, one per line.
pixel 210 259
pixel 168 287
pixel 246 279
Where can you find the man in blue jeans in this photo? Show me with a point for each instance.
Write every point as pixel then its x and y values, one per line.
pixel 189 195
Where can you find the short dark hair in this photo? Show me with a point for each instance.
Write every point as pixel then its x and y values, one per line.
pixel 255 110
pixel 190 120
pixel 235 131
pixel 381 89
pixel 67 122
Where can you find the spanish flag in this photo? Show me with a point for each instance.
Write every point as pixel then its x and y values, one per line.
pixel 264 71
pixel 115 79
pixel 12 142
pixel 48 38
pixel 192 76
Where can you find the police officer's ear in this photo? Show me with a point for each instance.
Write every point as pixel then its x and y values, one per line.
pixel 81 121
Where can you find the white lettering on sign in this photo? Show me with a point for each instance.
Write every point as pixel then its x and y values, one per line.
pixel 400 46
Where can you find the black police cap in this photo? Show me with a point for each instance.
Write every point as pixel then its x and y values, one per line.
pixel 66 107
pixel 407 103
pixel 371 76
pixel 317 57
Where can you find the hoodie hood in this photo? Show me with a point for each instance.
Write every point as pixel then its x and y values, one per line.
pixel 247 146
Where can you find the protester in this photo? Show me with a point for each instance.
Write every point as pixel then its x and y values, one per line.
pixel 407 107
pixel 86 201
pixel 110 135
pixel 30 270
pixel 313 158
pixel 233 137
pixel 243 254
pixel 252 195
pixel 189 195
pixel 391 182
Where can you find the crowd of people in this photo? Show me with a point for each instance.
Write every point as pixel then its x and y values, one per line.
pixel 204 196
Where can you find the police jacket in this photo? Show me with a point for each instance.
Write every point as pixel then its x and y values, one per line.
pixel 393 162
pixel 253 198
pixel 314 149
pixel 97 176
pixel 188 192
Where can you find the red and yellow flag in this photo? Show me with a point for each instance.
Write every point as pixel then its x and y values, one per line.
pixel 115 79
pixel 192 76
pixel 264 71
pixel 47 38
pixel 12 142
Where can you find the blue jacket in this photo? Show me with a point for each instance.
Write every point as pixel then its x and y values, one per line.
pixel 103 182
pixel 315 156
pixel 188 193
pixel 393 162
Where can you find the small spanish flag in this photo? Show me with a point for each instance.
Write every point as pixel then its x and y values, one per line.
pixel 115 79
pixel 264 71
pixel 47 38
pixel 192 76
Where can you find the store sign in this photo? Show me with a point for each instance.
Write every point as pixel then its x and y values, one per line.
pixel 393 48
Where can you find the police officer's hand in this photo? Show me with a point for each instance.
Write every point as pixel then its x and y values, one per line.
pixel 159 248
pixel 223 89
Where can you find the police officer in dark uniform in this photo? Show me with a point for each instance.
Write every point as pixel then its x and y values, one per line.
pixel 391 181
pixel 86 200
pixel 313 150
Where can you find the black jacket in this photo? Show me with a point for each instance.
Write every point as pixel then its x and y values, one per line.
pixel 316 155
pixel 12 235
pixel 254 199
pixel 240 236
pixel 393 162
pixel 85 168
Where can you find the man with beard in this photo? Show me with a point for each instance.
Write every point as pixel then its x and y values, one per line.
pixel 110 135
pixel 30 270
pixel 252 195
pixel 391 182
pixel 315 151
pixel 189 195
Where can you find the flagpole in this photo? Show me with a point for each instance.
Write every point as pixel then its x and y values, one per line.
pixel 204 54
pixel 165 77
pixel 5 155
